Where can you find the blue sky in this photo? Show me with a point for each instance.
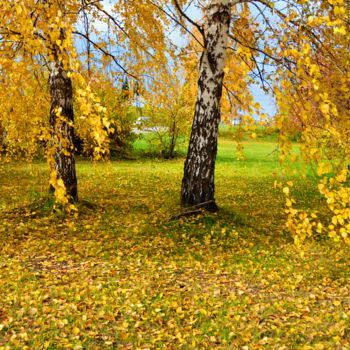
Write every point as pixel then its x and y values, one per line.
pixel 266 101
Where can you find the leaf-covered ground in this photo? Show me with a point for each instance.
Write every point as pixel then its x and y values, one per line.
pixel 122 275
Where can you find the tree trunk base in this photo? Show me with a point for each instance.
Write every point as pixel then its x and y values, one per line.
pixel 211 207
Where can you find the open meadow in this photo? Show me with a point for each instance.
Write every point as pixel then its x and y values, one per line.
pixel 124 274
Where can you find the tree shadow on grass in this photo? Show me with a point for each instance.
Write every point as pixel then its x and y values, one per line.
pixel 47 207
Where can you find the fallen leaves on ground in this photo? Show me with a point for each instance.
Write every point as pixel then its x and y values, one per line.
pixel 122 275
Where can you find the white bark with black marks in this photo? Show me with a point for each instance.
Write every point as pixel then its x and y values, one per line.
pixel 198 180
pixel 62 128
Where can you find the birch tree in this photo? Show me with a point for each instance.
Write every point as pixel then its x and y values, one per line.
pixel 198 180
pixel 36 38
pixel 212 35
pixel 260 38
pixel 37 42
pixel 61 159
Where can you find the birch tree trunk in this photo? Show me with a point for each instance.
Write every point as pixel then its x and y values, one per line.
pixel 62 129
pixel 198 181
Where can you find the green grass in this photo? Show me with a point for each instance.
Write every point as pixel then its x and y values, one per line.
pixel 148 146
pixel 123 275
pixel 264 134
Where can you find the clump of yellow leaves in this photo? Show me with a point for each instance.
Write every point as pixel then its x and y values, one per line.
pixel 312 105
pixel 299 223
pixel 60 193
pixel 96 125
pixel 337 195
pixel 304 225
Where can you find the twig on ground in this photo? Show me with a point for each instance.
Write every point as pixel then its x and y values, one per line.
pixel 193 210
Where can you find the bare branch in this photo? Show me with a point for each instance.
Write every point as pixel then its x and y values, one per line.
pixel 183 14
pixel 106 53
pixel 276 59
pixel 176 21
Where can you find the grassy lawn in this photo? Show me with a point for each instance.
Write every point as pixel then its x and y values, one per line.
pixel 123 275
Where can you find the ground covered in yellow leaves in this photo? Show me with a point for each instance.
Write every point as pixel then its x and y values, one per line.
pixel 123 275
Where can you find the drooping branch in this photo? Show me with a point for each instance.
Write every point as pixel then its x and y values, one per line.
pixel 119 26
pixel 257 49
pixel 106 53
pixel 173 18
pixel 183 14
pixel 313 37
